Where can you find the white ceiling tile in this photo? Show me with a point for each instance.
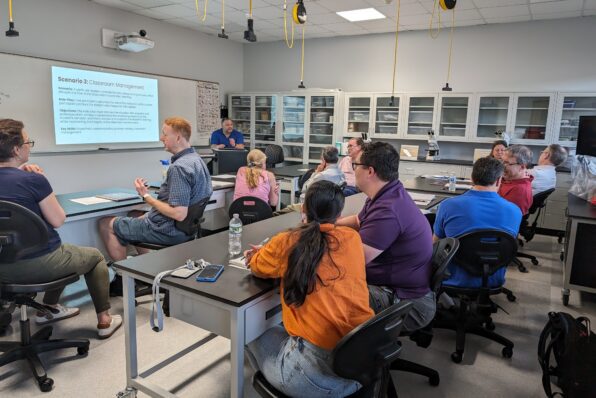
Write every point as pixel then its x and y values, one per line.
pixel 343 5
pixel 269 12
pixel 415 19
pixel 556 6
pixel 506 19
pixel 118 4
pixel 175 10
pixel 503 12
pixel 406 9
pixel 311 8
pixel 501 3
pixel 558 15
pixel 152 14
pixel 590 4
pixel 325 19
pixel 462 15
pixel 344 27
pixel 588 13
pixel 378 24
pixel 379 3
pixel 150 3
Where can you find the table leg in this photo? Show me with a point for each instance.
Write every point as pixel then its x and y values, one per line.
pixel 237 352
pixel 130 328
pixel 293 190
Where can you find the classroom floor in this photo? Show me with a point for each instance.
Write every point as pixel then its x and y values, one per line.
pixel 202 368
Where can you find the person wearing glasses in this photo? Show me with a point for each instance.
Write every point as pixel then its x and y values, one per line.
pixel 31 189
pixel 545 175
pixel 345 165
pixel 517 184
pixel 327 170
pixel 396 237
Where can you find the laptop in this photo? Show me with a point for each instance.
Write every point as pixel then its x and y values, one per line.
pixel 118 196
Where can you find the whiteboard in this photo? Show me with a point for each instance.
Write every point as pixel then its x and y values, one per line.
pixel 26 95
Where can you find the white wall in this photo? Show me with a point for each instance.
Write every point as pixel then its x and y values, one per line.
pixel 69 30
pixel 550 55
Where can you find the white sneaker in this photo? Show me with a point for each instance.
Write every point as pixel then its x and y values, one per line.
pixel 57 312
pixel 106 330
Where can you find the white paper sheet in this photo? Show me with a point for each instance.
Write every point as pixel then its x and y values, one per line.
pixel 221 184
pixel 226 176
pixel 92 200
pixel 460 186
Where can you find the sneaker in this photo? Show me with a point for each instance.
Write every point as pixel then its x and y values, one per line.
pixel 57 312
pixel 105 330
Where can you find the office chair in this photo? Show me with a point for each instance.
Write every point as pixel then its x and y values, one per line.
pixel 443 252
pixel 363 355
pixel 191 226
pixel 275 155
pixel 528 231
pixel 481 253
pixel 23 232
pixel 250 209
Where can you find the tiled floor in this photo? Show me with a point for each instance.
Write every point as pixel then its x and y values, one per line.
pixel 203 367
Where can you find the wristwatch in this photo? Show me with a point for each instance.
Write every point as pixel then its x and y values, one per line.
pixel 146 196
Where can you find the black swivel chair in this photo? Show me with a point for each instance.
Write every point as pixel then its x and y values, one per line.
pixel 250 209
pixel 275 155
pixel 191 226
pixel 528 231
pixel 443 252
pixel 481 253
pixel 363 355
pixel 23 232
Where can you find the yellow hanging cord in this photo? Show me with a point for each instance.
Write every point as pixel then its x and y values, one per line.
pixel 302 57
pixel 204 17
pixel 10 11
pixel 450 45
pixel 290 45
pixel 398 4
pixel 223 14
pixel 435 34
pixel 250 9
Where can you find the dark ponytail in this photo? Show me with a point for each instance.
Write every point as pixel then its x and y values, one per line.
pixel 323 203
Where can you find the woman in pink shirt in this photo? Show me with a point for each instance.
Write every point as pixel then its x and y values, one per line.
pixel 254 180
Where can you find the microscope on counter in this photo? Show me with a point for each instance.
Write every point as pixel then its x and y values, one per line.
pixel 433 147
pixel 503 136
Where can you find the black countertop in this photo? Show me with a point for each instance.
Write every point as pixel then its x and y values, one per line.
pixel 579 208
pixel 460 162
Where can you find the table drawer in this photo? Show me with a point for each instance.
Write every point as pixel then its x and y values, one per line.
pixel 262 316
pixel 217 200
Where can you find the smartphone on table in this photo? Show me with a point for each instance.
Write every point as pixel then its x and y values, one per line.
pixel 210 273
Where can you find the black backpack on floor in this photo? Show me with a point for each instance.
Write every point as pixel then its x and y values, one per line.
pixel 573 345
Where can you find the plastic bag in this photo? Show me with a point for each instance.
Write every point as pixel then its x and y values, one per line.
pixel 584 177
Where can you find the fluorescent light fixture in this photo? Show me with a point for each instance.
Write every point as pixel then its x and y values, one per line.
pixel 364 14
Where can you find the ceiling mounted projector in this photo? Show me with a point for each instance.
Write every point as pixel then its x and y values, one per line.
pixel 132 42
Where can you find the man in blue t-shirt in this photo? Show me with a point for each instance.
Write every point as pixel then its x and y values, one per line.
pixel 227 137
pixel 479 208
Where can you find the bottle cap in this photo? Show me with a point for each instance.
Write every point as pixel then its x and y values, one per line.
pixel 165 162
pixel 236 215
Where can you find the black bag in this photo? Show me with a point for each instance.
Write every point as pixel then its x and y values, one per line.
pixel 574 347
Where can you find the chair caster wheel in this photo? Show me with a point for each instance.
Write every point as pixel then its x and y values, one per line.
pixel 434 380
pixel 45 385
pixel 490 326
pixel 82 350
pixel 507 352
pixel 457 357
pixel 534 261
pixel 511 298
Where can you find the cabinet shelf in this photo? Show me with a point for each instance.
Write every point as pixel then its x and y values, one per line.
pixel 264 106
pixel 454 107
pixel 491 107
pixel 358 121
pixel 532 109
pixel 491 124
pixel 530 125
pixel 387 121
pixel 421 111
pixel 242 120
pixel 579 109
pixel 321 122
pixel 453 124
pixel 321 107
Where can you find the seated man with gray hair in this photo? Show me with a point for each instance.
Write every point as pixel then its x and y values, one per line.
pixel 328 170
pixel 517 185
pixel 545 176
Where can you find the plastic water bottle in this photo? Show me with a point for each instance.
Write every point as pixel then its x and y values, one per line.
pixel 235 236
pixel 452 180
pixel 164 169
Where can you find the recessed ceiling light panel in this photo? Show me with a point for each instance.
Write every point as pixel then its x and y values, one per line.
pixel 364 14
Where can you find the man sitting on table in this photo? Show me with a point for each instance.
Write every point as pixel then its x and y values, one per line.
pixel 479 208
pixel 545 176
pixel 187 183
pixel 396 237
pixel 345 165
pixel 517 185
pixel 227 136
pixel 327 170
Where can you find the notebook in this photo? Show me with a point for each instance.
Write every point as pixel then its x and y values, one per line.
pixel 118 196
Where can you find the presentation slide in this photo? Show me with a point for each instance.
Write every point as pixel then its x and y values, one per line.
pixel 98 108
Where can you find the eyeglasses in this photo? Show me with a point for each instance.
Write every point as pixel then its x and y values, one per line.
pixel 31 143
pixel 354 164
pixel 510 164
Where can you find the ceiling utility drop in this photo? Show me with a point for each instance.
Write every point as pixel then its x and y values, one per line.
pixel 445 5
pixel 204 17
pixel 299 12
pixel 398 6
pixel 11 32
pixel 249 34
pixel 223 20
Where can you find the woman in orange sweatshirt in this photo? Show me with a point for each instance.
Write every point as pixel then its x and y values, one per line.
pixel 324 296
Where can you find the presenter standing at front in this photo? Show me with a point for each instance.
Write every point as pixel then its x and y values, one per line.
pixel 227 136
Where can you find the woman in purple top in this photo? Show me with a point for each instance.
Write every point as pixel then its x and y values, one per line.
pixel 396 237
pixel 254 180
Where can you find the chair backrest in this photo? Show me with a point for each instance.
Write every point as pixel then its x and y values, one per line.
pixel 21 232
pixel 539 200
pixel 482 252
pixel 191 225
pixel 363 353
pixel 303 178
pixel 275 155
pixel 250 209
pixel 443 251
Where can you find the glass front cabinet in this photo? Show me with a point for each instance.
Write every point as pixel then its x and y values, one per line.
pixel 420 116
pixel 454 117
pixel 532 118
pixel 240 112
pixel 569 108
pixel 358 115
pixel 492 113
pixel 387 116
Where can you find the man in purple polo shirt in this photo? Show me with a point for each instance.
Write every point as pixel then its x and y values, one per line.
pixel 396 237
